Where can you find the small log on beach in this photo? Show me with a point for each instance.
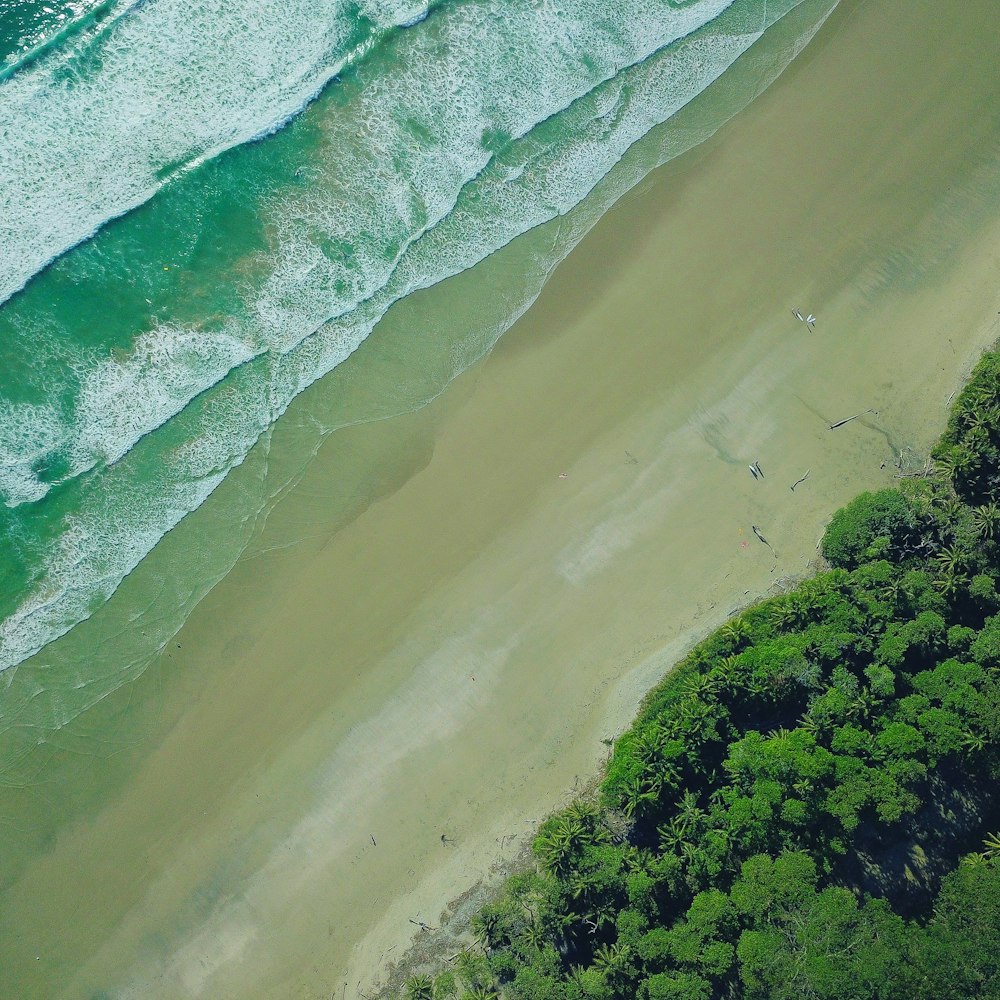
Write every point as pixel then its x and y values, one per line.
pixel 847 420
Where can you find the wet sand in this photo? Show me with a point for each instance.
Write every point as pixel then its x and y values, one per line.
pixel 550 535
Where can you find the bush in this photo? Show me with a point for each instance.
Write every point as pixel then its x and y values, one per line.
pixel 983 590
pixel 986 649
pixel 970 448
pixel 678 986
pixel 872 526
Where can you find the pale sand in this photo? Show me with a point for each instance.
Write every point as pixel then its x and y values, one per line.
pixel 335 694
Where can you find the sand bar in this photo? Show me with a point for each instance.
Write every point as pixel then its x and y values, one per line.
pixel 543 539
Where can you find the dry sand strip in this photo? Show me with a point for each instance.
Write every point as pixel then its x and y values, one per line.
pixel 448 663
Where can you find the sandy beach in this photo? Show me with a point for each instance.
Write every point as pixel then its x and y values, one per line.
pixel 435 630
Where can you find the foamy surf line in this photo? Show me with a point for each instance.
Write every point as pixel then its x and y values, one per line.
pixel 95 128
pixel 46 27
pixel 380 178
pixel 127 510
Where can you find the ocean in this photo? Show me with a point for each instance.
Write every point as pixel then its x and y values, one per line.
pixel 205 207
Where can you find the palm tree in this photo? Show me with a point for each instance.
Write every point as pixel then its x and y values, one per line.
pixel 674 834
pixel 718 797
pixel 950 560
pixel 955 463
pixel 559 843
pixel 951 584
pixel 975 859
pixel 477 976
pixel 601 912
pixel 466 963
pixel 566 835
pixel 686 822
pixel 420 987
pixel 649 746
pixel 558 924
pixel 583 811
pixel 637 859
pixel 736 630
pixel 981 414
pixel 578 884
pixel 667 731
pixel 693 710
pixel 481 993
pixel 809 723
pixel 636 795
pixel 977 443
pixel 610 957
pixel 650 749
pixel 806 789
pixel 863 704
pixel 992 844
pixel 689 810
pixel 986 519
pixel 727 668
pixel 486 927
pixel 784 615
pixel 663 776
pixel 702 687
pixel 471 966
pixel 985 396
pixel 699 718
pixel 891 590
pixel 535 934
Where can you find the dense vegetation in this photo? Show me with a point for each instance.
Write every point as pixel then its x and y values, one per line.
pixel 803 807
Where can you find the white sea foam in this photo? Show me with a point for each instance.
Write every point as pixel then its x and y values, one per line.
pixel 119 402
pixel 403 15
pixel 28 433
pixel 90 131
pixel 529 182
pixel 392 167
pixel 50 25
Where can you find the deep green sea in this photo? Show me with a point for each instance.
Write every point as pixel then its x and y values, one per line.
pixel 205 207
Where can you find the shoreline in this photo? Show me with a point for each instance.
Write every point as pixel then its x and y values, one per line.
pixel 883 607
pixel 430 948
pixel 335 699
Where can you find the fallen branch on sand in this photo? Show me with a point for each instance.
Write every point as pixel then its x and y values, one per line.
pixel 797 481
pixel 926 471
pixel 756 531
pixel 847 420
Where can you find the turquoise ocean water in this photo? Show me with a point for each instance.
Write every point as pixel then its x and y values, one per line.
pixel 205 207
